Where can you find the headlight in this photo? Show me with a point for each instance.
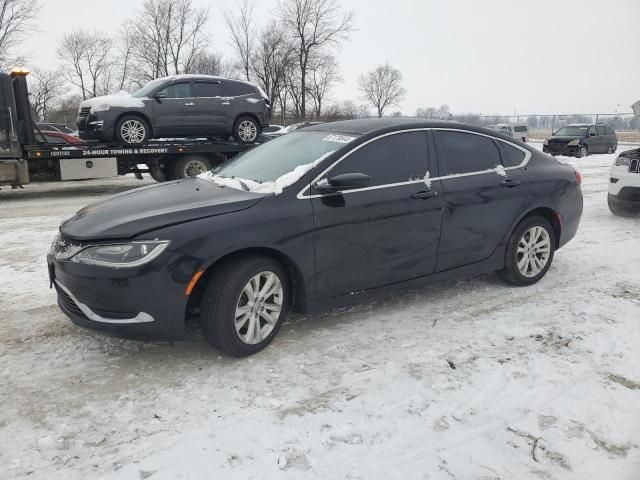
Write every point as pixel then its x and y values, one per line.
pixel 573 143
pixel 121 255
pixel 100 108
pixel 622 161
pixel 546 142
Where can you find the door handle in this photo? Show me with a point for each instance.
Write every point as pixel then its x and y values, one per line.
pixel 189 104
pixel 508 183
pixel 424 195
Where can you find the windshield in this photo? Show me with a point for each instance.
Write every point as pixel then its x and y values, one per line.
pixel 276 158
pixel 148 88
pixel 571 132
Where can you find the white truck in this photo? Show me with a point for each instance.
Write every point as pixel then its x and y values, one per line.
pixel 624 180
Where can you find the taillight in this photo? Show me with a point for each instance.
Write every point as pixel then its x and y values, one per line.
pixel 578 178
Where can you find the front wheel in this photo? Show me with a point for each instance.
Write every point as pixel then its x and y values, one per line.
pixel 132 130
pixel 246 130
pixel 245 303
pixel 529 252
pixel 582 152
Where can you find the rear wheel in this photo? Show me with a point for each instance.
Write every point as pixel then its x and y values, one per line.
pixel 583 151
pixel 244 304
pixel 246 129
pixel 529 252
pixel 191 166
pixel 132 130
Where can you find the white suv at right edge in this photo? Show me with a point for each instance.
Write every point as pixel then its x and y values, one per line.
pixel 624 184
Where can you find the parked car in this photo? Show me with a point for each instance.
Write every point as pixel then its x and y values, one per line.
pixel 308 220
pixel 624 184
pixel 57 127
pixel 580 140
pixel 506 132
pixel 178 106
pixel 515 130
pixel 54 137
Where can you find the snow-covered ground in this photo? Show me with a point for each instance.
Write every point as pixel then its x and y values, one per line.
pixel 468 379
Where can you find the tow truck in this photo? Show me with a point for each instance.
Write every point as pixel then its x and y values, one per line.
pixel 23 159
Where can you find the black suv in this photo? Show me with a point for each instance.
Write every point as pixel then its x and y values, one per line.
pixel 177 106
pixel 581 140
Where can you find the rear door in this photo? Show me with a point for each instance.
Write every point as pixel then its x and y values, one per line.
pixel 385 233
pixel 481 201
pixel 603 139
pixel 174 113
pixel 211 109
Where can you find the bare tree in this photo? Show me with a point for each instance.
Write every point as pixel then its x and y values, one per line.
pixel 243 32
pixel 169 35
pixel 314 25
pixel 272 59
pixel 211 63
pixel 16 21
pixel 45 89
pixel 323 74
pixel 382 87
pixel 66 111
pixel 88 62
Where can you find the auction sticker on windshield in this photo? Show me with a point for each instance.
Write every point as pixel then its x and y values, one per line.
pixel 338 138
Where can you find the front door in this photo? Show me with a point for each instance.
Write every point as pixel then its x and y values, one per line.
pixel 481 202
pixel 174 113
pixel 385 233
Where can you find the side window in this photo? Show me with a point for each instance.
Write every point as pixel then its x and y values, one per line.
pixel 511 156
pixel 467 152
pixel 392 159
pixel 600 130
pixel 236 89
pixel 207 89
pixel 609 130
pixel 521 128
pixel 178 90
pixel 593 130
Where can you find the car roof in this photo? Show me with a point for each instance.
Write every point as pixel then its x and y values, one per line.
pixel 372 126
pixel 189 76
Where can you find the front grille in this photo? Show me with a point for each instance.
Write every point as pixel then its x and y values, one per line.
pixel 84 112
pixel 68 304
pixel 634 166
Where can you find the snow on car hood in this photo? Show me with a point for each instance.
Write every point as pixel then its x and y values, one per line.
pixel 120 100
pixel 275 187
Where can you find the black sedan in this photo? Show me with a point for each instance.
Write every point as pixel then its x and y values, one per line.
pixel 309 220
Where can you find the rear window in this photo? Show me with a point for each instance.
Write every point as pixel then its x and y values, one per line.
pixel 235 89
pixel 467 152
pixel 208 89
pixel 600 130
pixel 520 128
pixel 511 156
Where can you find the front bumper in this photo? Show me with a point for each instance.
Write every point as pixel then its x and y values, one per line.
pixel 628 201
pixel 144 303
pixel 91 127
pixel 560 149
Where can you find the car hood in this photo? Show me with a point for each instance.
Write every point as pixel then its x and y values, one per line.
pixel 120 100
pixel 145 209
pixel 564 139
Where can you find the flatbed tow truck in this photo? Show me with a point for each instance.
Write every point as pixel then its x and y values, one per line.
pixel 23 159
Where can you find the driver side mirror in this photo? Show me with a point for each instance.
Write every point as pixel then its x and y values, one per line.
pixel 344 181
pixel 160 95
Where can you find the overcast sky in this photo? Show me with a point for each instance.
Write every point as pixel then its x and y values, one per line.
pixel 489 56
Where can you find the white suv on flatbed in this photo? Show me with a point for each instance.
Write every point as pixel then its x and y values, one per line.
pixel 624 184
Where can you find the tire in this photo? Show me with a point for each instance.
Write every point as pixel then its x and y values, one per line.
pixel 246 129
pixel 531 272
pixel 582 152
pixel 226 292
pixel 190 166
pixel 612 149
pixel 132 130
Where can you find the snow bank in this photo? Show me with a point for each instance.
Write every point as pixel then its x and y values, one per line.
pixel 121 100
pixel 275 187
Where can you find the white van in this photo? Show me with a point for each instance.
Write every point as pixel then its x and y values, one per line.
pixel 515 130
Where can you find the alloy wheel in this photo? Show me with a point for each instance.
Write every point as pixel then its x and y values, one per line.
pixel 133 131
pixel 247 131
pixel 534 249
pixel 258 308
